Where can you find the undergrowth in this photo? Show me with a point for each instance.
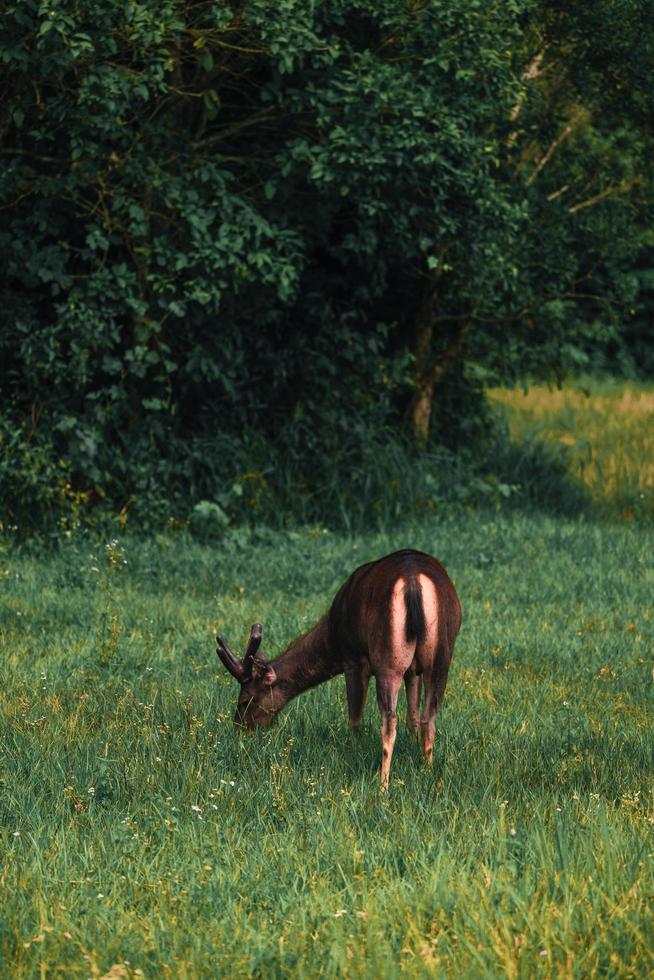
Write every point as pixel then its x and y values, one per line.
pixel 585 449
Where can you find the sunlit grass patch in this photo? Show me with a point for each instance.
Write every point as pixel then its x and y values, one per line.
pixel 602 433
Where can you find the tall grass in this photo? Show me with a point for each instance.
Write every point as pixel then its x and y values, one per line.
pixel 368 478
pixel 602 434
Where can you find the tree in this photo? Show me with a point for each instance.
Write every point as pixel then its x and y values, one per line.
pixel 294 220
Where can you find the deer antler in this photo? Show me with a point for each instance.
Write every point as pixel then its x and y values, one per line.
pixel 253 645
pixel 240 669
pixel 231 662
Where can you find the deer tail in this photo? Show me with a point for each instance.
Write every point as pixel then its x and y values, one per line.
pixel 415 628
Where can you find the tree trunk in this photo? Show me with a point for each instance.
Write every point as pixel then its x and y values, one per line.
pixel 421 415
pixel 429 370
pixel 420 407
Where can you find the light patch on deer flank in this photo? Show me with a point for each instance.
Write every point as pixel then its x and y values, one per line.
pixel 430 610
pixel 403 650
pixel 401 653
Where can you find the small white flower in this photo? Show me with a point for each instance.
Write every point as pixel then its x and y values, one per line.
pixel 91 791
pixel 196 808
pixel 513 831
pixel 16 833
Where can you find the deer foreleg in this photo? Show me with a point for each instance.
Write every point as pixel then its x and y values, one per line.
pixel 388 688
pixel 356 685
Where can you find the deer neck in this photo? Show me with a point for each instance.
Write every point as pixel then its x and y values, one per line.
pixel 307 661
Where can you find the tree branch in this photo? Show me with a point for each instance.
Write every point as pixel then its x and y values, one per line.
pixel 234 128
pixel 556 194
pixel 553 147
pixel 16 151
pixel 533 70
pixel 622 188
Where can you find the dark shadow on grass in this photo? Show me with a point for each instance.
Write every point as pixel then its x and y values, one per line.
pixel 541 478
pixel 549 765
pixel 355 753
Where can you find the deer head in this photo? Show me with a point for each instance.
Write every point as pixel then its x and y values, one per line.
pixel 257 702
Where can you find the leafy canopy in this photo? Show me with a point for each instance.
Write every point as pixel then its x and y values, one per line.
pixel 230 218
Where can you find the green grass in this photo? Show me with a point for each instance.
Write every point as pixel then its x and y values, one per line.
pixel 138 826
pixel 140 834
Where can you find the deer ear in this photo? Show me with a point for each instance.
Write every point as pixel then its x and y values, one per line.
pixel 264 671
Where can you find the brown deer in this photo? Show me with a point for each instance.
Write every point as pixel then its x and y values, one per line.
pixel 396 618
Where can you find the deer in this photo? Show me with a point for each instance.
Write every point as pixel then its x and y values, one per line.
pixel 396 619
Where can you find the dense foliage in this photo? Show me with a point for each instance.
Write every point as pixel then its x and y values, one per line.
pixel 241 242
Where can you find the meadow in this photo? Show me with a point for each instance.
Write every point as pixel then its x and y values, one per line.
pixel 600 433
pixel 141 835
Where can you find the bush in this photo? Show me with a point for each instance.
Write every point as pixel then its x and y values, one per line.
pixel 35 485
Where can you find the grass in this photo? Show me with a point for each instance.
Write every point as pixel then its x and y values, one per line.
pixel 141 836
pixel 601 433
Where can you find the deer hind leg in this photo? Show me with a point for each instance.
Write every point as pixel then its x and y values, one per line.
pixel 412 684
pixel 434 693
pixel 356 685
pixel 388 688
